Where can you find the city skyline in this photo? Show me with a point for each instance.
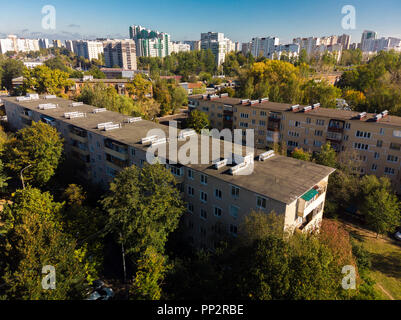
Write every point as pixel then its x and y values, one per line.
pixel 239 20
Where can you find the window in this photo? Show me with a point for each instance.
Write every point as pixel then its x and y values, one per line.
pixel 203 196
pixel 361 146
pixel 133 152
pixel 293 134
pixel 191 191
pixel 262 122
pixel 391 158
pixel 379 143
pixel 317 143
pixel 203 213
pixel 217 211
pixel 235 191
pixel 347 126
pixel 389 171
pixel 203 179
pixel 263 113
pixel 346 138
pixel 176 171
pixel 395 146
pixel 190 207
pixel 306 142
pixel 243 124
pixel 297 123
pixel 234 211
pixel 377 155
pixel 190 174
pixel 308 120
pixel 233 230
pixel 397 133
pixel 374 167
pixel 244 115
pixel 362 134
pixel 318 133
pixel 292 143
pixel 253 121
pixel 261 202
pixel 320 122
pixel 217 194
pixel 381 131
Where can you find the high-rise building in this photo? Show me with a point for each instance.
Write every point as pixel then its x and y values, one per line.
pixel 366 36
pixel 150 43
pixel 194 44
pixel 264 47
pixel 217 43
pixel 69 44
pixel 44 43
pixel 120 53
pixel 345 41
pixel 178 46
pixel 57 44
pixel 88 49
pixel 6 45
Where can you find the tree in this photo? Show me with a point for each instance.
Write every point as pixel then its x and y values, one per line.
pixel 380 205
pixel 300 154
pixel 39 147
pixel 11 69
pixel 326 156
pixel 148 279
pixel 198 120
pixel 320 92
pixel 179 98
pixel 139 87
pixel 96 73
pixel 42 79
pixel 143 207
pixel 33 239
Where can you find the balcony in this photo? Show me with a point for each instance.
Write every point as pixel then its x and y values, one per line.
pixel 117 154
pixel 311 222
pixel 310 201
pixel 336 126
pixel 80 151
pixel 77 137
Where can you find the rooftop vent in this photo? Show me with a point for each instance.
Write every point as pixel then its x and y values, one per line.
pixel 362 115
pixel 19 99
pixel 246 161
pixel 213 96
pixel 112 126
pixel 75 114
pixel 384 113
pixel 308 108
pixel 131 120
pixel 204 97
pixel 148 139
pixel 244 101
pixel 253 102
pixel 46 106
pixel 222 95
pixel 295 108
pixel 52 96
pixel 266 155
pixel 99 110
pixel 158 141
pixel 316 106
pixel 378 117
pixel 186 133
pixel 263 100
pixel 76 104
pixel 220 164
pixel 103 125
pixel 33 96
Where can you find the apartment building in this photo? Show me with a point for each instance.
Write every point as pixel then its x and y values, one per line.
pixel 120 53
pixel 87 49
pixel 372 140
pixel 217 195
pixel 218 44
pixel 150 43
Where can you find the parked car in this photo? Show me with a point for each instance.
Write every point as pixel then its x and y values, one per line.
pixel 100 291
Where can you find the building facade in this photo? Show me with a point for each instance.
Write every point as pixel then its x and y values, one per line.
pixel 218 44
pixel 373 141
pixel 87 49
pixel 218 194
pixel 150 43
pixel 120 53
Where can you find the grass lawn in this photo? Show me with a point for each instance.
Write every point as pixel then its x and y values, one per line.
pixel 386 261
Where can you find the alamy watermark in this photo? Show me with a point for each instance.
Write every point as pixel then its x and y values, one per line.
pixel 49 17
pixel 348 22
pixel 49 280
pixel 349 280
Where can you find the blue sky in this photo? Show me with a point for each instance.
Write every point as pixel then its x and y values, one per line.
pixel 240 20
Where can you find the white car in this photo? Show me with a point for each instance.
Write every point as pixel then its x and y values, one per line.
pixel 397 235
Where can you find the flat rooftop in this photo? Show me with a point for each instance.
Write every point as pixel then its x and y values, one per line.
pixel 320 112
pixel 281 178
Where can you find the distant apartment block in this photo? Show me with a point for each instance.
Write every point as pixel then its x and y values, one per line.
pixel 120 53
pixel 88 49
pixel 218 44
pixel 373 140
pixel 178 46
pixel 370 43
pixel 216 193
pixel 194 45
pixel 264 47
pixel 12 43
pixel 150 43
pixel 119 73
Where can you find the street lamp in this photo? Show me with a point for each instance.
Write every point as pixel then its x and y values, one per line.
pixel 22 178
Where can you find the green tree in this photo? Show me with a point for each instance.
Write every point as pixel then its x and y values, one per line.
pixel 300 154
pixel 36 148
pixel 139 86
pixel 320 92
pixel 198 120
pixel 380 205
pixel 11 69
pixel 42 79
pixel 33 239
pixel 144 207
pixel 326 156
